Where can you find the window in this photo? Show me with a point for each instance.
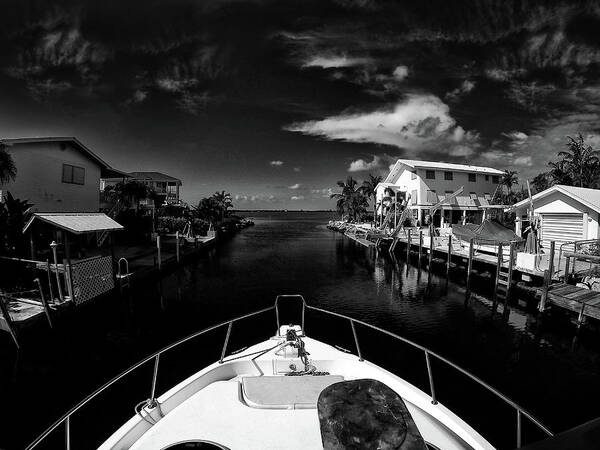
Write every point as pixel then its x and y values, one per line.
pixel 413 197
pixel 73 174
pixel 473 195
pixel 487 195
pixel 495 179
pixel 472 177
pixel 487 178
pixel 430 174
pixel 448 176
pixel 432 196
pixel 413 174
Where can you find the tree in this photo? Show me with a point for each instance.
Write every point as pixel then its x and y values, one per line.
pixel 368 188
pixel 13 216
pixel 129 192
pixel 581 162
pixel 208 209
pixel 223 202
pixel 559 173
pixel 509 179
pixel 541 182
pixel 352 200
pixel 8 169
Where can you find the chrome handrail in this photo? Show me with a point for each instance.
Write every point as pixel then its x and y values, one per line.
pixel 151 402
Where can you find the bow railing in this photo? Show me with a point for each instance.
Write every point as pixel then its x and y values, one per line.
pixel 429 355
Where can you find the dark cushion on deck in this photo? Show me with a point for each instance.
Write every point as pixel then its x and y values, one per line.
pixel 366 414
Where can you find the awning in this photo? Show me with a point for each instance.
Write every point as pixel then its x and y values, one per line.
pixel 77 223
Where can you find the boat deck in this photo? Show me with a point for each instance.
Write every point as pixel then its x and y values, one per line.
pixel 225 411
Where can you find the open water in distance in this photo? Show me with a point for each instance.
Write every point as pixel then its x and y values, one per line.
pixel 539 364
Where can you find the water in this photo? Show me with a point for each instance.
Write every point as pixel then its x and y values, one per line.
pixel 539 364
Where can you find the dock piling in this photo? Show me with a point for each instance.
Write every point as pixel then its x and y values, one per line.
pixel 420 245
pixel 177 246
pixel 448 262
pixel 44 302
pixel 470 268
pixel 408 244
pixel 431 240
pixel 158 251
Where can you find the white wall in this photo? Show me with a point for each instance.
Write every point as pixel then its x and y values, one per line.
pixel 440 185
pixel 557 202
pixel 39 178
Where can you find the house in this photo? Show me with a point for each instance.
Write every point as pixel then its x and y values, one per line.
pixel 165 186
pixel 428 182
pixel 56 174
pixel 566 214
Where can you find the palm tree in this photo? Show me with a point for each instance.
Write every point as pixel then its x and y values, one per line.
pixel 224 202
pixel 368 188
pixel 509 179
pixel 582 162
pixel 559 173
pixel 8 169
pixel 351 200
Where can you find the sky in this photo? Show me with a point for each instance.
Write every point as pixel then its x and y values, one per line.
pixel 275 101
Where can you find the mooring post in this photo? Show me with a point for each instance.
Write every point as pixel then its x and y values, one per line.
pixel 158 250
pixel 431 240
pixel 551 262
pixel 511 258
pixel 567 265
pixel 177 246
pixel 420 244
pixel 48 271
pixel 53 246
pixel 470 267
pixel 498 269
pixel 449 255
pixel 44 302
pixel 408 244
pixel 545 287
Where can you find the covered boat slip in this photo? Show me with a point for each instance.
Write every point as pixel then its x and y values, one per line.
pixel 226 404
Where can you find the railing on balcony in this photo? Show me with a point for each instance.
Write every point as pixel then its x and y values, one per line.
pixel 429 355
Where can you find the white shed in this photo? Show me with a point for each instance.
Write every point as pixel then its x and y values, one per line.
pixel 566 213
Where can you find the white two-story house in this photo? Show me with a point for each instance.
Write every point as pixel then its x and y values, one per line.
pixel 425 183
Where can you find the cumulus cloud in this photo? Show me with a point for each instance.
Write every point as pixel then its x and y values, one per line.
pixel 297 197
pixel 360 165
pixel 335 61
pixel 276 163
pixel 400 73
pixel 295 186
pixel 516 136
pixel 461 150
pixel 523 161
pixel 456 94
pixel 420 121
pixel 297 169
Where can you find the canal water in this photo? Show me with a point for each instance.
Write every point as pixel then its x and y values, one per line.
pixel 542 364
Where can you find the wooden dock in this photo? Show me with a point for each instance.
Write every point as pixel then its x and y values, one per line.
pixel 584 302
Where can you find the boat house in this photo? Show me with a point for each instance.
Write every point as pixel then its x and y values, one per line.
pixel 425 183
pixel 565 213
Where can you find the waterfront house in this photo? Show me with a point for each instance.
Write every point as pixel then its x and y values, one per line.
pixel 565 214
pixel 426 183
pixel 165 186
pixel 56 174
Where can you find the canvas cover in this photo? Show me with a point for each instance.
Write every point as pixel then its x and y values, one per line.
pixel 489 231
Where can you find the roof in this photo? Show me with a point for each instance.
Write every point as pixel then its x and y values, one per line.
pixel 107 170
pixel 585 196
pixel 77 223
pixel 154 176
pixel 414 164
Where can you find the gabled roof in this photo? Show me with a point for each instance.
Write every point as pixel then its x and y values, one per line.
pixel 154 176
pixel 585 196
pixel 77 223
pixel 417 164
pixel 106 168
